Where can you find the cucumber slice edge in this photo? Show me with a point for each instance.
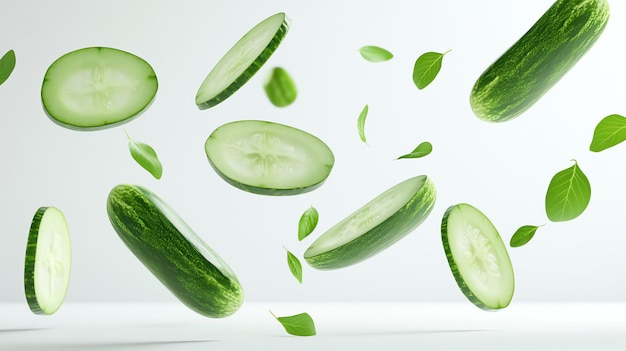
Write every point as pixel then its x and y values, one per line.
pixel 463 275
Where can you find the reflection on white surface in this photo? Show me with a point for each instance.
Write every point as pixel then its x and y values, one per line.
pixel 356 326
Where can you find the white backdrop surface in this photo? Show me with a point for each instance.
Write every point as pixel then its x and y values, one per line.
pixel 503 169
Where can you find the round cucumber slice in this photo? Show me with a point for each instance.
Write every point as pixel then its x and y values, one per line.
pixel 48 261
pixel 96 88
pixel 268 158
pixel 242 61
pixel 374 227
pixel 477 257
pixel 173 252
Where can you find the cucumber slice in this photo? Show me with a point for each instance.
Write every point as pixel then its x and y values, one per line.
pixel 173 252
pixel 96 88
pixel 380 223
pixel 477 257
pixel 242 61
pixel 48 261
pixel 268 158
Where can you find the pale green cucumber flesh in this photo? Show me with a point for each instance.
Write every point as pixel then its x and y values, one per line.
pixel 374 227
pixel 539 59
pixel 48 261
pixel 97 87
pixel 242 61
pixel 478 257
pixel 268 158
pixel 173 252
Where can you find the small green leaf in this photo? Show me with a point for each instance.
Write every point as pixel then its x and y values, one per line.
pixel 568 194
pixel 375 54
pixel 609 132
pixel 426 68
pixel 280 88
pixel 299 325
pixel 523 235
pixel 421 150
pixel 7 64
pixel 145 156
pixel 361 123
pixel 307 223
pixel 294 266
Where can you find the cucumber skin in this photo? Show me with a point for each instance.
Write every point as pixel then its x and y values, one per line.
pixel 29 270
pixel 268 191
pixel 454 268
pixel 252 69
pixel 391 230
pixel 539 59
pixel 156 242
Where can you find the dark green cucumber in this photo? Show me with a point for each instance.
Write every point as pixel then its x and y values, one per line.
pixel 374 227
pixel 539 59
pixel 171 250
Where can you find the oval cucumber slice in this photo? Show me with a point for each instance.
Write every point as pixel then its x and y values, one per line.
pixel 48 261
pixel 173 252
pixel 97 87
pixel 268 158
pixel 242 61
pixel 477 257
pixel 374 227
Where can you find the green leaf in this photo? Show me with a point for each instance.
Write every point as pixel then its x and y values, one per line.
pixel 421 150
pixel 375 54
pixel 426 68
pixel 609 132
pixel 145 156
pixel 294 266
pixel 308 222
pixel 280 88
pixel 361 123
pixel 568 194
pixel 299 325
pixel 7 64
pixel 523 235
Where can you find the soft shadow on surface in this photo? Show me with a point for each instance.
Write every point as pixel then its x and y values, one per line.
pixel 405 332
pixel 125 345
pixel 19 330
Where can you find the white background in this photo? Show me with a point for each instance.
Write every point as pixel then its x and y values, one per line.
pixel 503 169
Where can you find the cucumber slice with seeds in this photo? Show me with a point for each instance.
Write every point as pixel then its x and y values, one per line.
pixel 242 61
pixel 268 158
pixel 48 261
pixel 477 257
pixel 374 227
pixel 97 87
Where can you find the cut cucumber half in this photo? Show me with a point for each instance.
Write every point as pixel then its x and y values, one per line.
pixel 268 158
pixel 374 227
pixel 242 61
pixel 477 257
pixel 48 261
pixel 173 252
pixel 97 87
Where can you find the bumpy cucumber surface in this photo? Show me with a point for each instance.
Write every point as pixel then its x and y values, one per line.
pixel 539 59
pixel 173 252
